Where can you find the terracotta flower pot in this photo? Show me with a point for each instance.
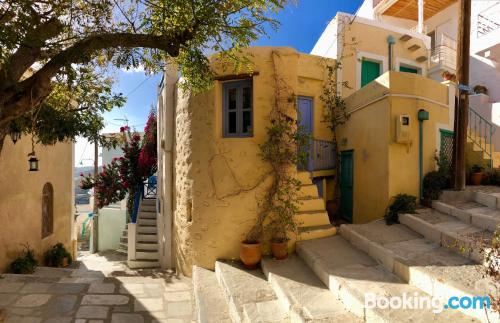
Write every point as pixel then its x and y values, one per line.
pixel 280 250
pixel 476 178
pixel 250 254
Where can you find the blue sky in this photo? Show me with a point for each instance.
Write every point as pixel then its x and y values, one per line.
pixel 301 26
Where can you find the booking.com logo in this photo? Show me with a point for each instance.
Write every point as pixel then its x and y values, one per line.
pixel 417 302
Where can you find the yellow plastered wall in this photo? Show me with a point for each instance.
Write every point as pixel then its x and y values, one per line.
pixel 363 40
pixel 383 167
pixel 219 181
pixel 21 198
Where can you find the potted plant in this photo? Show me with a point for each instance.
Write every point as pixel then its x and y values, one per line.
pixel 24 264
pixel 250 248
pixel 476 175
pixel 57 256
pixel 447 76
pixel 279 243
pixel 480 89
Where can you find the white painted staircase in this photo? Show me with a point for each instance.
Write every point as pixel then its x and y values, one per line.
pixel 327 279
pixel 146 240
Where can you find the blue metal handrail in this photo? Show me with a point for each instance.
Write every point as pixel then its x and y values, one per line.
pixel 480 133
pixel 146 190
pixel 137 202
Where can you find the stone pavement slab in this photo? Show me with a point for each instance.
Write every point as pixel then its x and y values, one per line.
pixel 88 295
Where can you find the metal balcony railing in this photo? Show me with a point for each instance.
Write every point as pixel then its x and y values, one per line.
pixel 488 20
pixel 444 56
pixel 480 131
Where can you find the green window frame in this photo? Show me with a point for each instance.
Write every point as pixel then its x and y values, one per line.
pixel 408 69
pixel 370 70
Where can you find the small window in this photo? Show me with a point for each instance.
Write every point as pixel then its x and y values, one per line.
pixel 370 70
pixel 237 109
pixel 47 210
pixel 409 69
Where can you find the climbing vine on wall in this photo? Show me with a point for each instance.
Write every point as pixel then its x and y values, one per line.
pixel 336 116
pixel 280 152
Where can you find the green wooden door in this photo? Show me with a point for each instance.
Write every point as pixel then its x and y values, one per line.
pixel 346 184
pixel 369 71
pixel 408 69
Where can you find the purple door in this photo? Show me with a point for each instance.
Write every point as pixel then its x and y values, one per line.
pixel 305 117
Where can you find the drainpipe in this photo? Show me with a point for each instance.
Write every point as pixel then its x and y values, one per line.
pixel 391 41
pixel 422 116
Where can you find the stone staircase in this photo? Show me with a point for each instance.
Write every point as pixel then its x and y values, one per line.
pixel 326 280
pixel 478 151
pixel 146 247
pixel 123 248
pixel 312 218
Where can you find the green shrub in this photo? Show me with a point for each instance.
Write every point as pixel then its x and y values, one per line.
pixel 491 178
pixel 26 263
pixel 433 185
pixel 54 257
pixel 402 203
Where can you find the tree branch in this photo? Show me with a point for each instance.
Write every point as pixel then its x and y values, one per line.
pixel 28 52
pixel 20 99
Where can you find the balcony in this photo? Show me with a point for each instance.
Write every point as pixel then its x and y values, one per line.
pixel 320 156
pixel 408 9
pixel 487 41
pixel 444 58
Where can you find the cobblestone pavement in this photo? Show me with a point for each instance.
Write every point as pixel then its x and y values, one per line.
pixel 100 288
pixel 483 188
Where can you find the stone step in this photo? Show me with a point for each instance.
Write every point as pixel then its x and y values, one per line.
pixel 143 263
pixel 311 204
pixel 302 294
pixel 350 273
pixel 473 213
pixel 447 231
pixel 316 232
pixel 210 304
pixel 152 245
pixel 148 202
pixel 311 218
pixel 147 208
pixel 249 296
pixel 420 262
pixel 121 250
pixel 146 254
pixel 141 221
pixel 474 193
pixel 125 233
pixel 147 214
pixel 146 229
pixel 309 190
pixel 304 178
pixel 123 246
pixel 124 240
pixel 147 237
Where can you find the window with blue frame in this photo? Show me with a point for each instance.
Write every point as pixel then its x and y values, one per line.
pixel 237 117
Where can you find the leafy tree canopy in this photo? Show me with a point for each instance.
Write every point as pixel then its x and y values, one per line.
pixel 53 53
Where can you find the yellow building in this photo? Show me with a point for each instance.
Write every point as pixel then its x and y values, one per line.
pixel 36 207
pixel 211 176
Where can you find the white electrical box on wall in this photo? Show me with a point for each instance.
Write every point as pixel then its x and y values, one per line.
pixel 403 129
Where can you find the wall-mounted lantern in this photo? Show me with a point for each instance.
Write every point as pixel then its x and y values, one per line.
pixel 33 162
pixel 15 136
